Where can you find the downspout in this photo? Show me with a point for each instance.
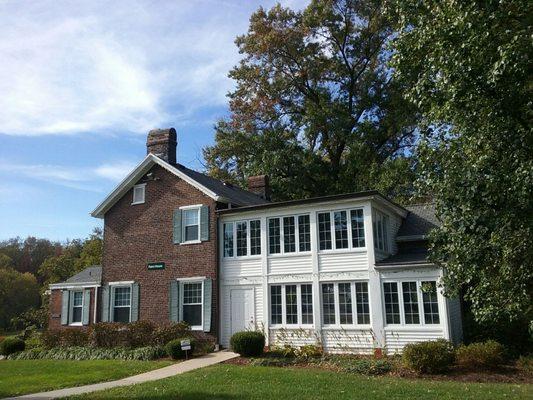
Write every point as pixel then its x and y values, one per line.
pixel 95 303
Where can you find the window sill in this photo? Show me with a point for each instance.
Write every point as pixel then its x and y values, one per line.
pixel 291 327
pixel 191 242
pixel 242 258
pixel 295 254
pixel 197 328
pixel 75 324
pixel 137 202
pixel 341 251
pixel 414 327
pixel 346 327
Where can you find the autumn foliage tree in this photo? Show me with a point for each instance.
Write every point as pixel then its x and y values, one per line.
pixel 315 105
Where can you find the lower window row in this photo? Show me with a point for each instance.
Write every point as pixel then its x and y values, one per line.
pixel 347 303
pixel 344 303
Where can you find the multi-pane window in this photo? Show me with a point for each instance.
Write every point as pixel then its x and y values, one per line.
pixel 347 225
pixel 341 229
pixel 242 241
pixel 228 239
pixel 328 304
pixel 392 304
pixel 276 316
pixel 191 224
pixel 363 305
pixel 431 304
pixel 358 228
pixel 410 303
pixel 307 304
pixel 289 235
pixel 324 231
pixel 291 304
pixel 304 232
pixel 255 237
pixel 381 231
pixel 121 303
pixel 192 303
pixel 417 297
pixel 240 231
pixel 274 236
pixel 77 306
pixel 345 303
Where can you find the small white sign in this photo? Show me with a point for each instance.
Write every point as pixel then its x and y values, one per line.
pixel 186 344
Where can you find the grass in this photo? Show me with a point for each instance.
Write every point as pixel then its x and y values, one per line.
pixel 247 382
pixel 30 376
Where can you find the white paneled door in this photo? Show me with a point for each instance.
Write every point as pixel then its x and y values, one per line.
pixel 242 310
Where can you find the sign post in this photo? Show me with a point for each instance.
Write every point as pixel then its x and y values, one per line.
pixel 186 346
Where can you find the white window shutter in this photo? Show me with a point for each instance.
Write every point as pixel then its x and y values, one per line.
pixel 176 222
pixel 65 303
pixel 86 306
pixel 204 223
pixel 208 296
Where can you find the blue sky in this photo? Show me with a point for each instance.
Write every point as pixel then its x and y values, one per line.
pixel 82 82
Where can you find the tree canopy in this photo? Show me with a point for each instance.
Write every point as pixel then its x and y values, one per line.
pixel 315 105
pixel 467 65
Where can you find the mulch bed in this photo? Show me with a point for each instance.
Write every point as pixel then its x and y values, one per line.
pixel 505 374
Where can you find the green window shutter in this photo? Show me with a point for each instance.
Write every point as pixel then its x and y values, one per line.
pixel 177 226
pixel 208 296
pixel 65 303
pixel 173 301
pixel 86 306
pixel 105 303
pixel 180 301
pixel 134 302
pixel 204 223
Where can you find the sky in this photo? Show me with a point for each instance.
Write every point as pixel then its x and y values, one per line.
pixel 82 83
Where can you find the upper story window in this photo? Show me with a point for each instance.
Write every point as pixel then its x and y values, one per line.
pixel 139 193
pixel 290 234
pixel 347 226
pixel 242 238
pixel 411 303
pixel 191 224
pixel 381 231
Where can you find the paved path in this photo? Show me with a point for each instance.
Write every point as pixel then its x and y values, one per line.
pixel 171 370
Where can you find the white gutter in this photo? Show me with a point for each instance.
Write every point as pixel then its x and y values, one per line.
pixel 95 303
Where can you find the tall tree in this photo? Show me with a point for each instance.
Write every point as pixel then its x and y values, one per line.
pixel 315 105
pixel 18 292
pixel 467 64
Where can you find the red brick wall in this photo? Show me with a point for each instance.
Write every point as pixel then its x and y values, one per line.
pixel 140 234
pixel 55 310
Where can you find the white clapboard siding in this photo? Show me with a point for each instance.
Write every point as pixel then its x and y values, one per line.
pixel 293 337
pixel 343 262
pixel 348 341
pixel 290 265
pixel 240 268
pixel 395 340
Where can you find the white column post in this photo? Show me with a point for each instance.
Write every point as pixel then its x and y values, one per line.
pixel 264 279
pixel 315 277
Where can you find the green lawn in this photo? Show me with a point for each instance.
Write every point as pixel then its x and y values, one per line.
pixel 238 382
pixel 30 376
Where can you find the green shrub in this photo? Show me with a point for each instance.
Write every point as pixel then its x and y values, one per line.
pixel 108 334
pixel 202 347
pixel 248 343
pixel 173 348
pixel 484 355
pixel 165 333
pixel 74 337
pixel 368 366
pixel 51 338
pixel 138 334
pixel 310 351
pixel 429 357
pixel 525 363
pixel 285 351
pixel 11 345
pixel 34 341
pixel 89 353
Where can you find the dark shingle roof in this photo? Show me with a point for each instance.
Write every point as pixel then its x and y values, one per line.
pixel 88 275
pixel 420 220
pixel 233 193
pixel 412 256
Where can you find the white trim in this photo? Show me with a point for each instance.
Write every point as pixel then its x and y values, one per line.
pixel 194 278
pixel 120 283
pixel 196 208
pixel 95 304
pixel 137 173
pixel 73 285
pixel 202 305
pixel 71 306
pixel 191 207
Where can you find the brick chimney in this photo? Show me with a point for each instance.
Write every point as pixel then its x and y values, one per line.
pixel 259 185
pixel 162 143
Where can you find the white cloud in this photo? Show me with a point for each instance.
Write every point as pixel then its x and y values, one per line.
pixel 114 172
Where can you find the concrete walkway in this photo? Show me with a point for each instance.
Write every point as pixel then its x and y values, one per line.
pixel 171 370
